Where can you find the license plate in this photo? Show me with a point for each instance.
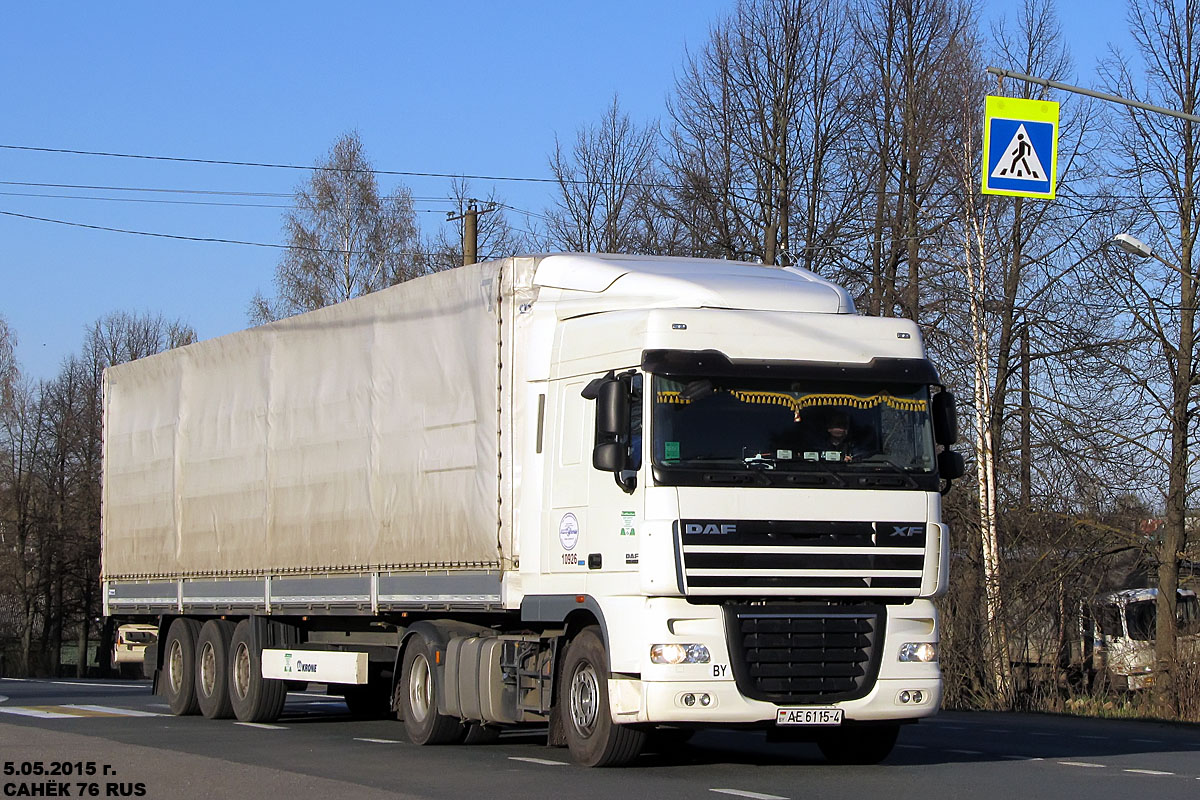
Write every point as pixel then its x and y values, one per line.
pixel 808 716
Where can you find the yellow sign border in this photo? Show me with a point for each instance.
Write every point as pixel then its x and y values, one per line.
pixel 1027 111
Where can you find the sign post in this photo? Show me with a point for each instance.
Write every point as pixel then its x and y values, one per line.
pixel 1020 147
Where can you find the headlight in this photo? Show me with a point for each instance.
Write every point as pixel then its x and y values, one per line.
pixel 918 651
pixel 678 654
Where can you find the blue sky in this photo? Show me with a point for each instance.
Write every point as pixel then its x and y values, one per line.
pixel 465 88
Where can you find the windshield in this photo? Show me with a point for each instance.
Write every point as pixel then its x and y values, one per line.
pixel 1142 616
pixel 791 426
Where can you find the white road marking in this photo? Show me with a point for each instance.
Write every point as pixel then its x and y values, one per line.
pixel 912 746
pixel 1081 764
pixel 545 761
pixel 3 698
pixel 1037 733
pixel 262 725
pixel 36 712
pixel 314 694
pixel 1149 772
pixel 966 752
pixel 1147 741
pixel 122 712
pixel 1019 758
pixel 379 741
pixel 752 795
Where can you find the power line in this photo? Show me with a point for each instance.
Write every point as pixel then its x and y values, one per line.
pixel 270 165
pixel 451 175
pixel 189 202
pixel 211 239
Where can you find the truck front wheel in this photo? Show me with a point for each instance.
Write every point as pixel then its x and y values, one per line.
pixel 592 737
pixel 418 700
pixel 179 666
pixel 253 697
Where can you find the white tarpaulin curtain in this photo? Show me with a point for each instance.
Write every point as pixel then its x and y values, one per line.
pixel 364 434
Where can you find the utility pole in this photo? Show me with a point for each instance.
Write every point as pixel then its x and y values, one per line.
pixel 470 238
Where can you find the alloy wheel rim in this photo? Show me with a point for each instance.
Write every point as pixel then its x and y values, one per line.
pixel 175 667
pixel 585 698
pixel 241 671
pixel 208 669
pixel 420 688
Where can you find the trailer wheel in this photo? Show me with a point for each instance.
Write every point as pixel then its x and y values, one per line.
pixel 179 666
pixel 419 684
pixel 253 697
pixel 858 745
pixel 212 669
pixel 592 736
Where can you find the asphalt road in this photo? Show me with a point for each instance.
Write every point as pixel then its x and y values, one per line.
pixel 133 748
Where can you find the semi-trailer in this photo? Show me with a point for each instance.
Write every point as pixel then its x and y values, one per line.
pixel 611 495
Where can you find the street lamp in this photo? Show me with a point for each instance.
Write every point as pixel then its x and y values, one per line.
pixel 1133 245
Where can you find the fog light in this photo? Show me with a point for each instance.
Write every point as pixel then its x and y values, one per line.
pixel 918 651
pixel 905 697
pixel 705 700
pixel 918 697
pixel 689 700
pixel 679 654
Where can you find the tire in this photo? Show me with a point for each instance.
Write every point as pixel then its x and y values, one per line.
pixel 418 699
pixel 592 737
pixel 253 697
pixel 212 669
pixel 179 667
pixel 858 745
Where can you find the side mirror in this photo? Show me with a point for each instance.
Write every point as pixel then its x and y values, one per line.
pixel 612 409
pixel 609 457
pixel 945 419
pixel 612 451
pixel 951 465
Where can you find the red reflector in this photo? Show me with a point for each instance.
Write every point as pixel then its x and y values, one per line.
pixel 579 598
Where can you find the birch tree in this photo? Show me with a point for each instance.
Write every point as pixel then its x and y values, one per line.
pixel 344 238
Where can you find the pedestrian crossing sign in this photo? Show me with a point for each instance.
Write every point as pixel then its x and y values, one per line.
pixel 1020 147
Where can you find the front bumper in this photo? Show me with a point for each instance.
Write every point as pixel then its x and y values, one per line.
pixel 708 693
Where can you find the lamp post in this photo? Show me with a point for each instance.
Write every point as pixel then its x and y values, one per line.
pixel 1173 538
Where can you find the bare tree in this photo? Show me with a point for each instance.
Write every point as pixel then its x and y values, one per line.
pixel 8 362
pixel 495 235
pixel 1160 159
pixel 344 238
pixel 602 185
pixel 911 57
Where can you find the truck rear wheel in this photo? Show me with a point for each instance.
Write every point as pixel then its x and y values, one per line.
pixel 253 697
pixel 212 669
pixel 592 737
pixel 179 666
pixel 868 744
pixel 419 686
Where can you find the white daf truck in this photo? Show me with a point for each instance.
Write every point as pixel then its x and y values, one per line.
pixel 622 496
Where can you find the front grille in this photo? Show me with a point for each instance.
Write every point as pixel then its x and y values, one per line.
pixel 800 557
pixel 805 654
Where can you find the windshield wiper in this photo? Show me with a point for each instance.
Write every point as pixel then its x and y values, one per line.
pixel 884 461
